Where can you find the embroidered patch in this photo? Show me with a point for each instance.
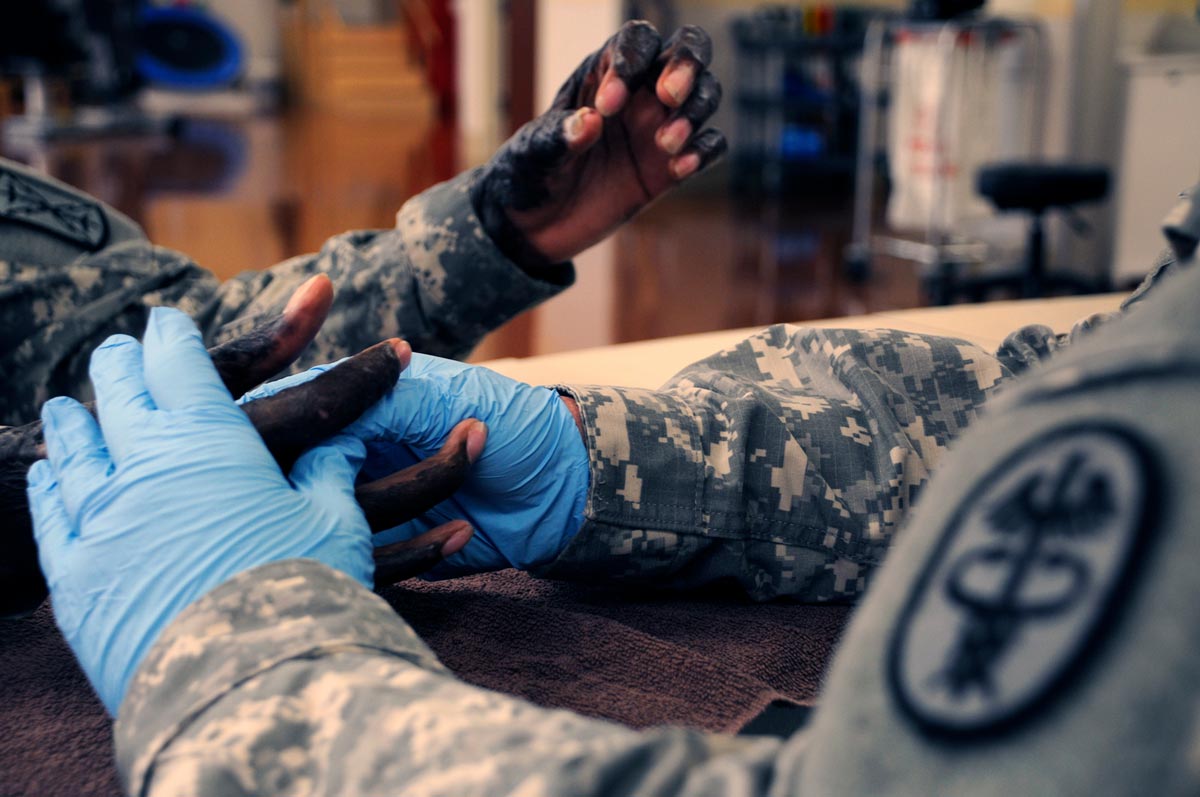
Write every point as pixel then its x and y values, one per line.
pixel 52 210
pixel 1024 581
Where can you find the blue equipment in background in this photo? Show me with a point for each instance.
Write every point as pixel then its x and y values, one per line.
pixel 185 48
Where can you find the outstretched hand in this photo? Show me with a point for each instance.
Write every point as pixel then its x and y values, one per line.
pixel 625 128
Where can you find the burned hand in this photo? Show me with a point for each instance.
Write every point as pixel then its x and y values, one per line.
pixel 626 127
pixel 289 423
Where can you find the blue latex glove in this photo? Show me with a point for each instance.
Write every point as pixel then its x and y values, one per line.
pixel 525 495
pixel 171 495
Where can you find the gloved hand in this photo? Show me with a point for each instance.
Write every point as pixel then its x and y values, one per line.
pixel 526 493
pixel 171 495
pixel 524 496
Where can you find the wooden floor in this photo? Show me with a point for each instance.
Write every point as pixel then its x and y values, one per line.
pixel 710 259
pixel 239 195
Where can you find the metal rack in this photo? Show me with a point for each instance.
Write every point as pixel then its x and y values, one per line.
pixel 941 250
pixel 796 98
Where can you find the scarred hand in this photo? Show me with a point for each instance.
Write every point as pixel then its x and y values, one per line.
pixel 290 423
pixel 625 128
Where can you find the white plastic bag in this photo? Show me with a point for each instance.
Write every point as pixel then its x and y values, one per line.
pixel 960 100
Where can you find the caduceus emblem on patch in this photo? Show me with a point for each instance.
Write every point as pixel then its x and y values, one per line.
pixel 1024 582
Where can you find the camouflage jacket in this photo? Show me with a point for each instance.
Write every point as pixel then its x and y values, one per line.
pixel 73 271
pixel 293 679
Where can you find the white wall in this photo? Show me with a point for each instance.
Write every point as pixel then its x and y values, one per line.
pixel 477 68
pixel 568 30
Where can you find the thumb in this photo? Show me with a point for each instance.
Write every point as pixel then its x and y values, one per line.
pixel 519 173
pixel 326 473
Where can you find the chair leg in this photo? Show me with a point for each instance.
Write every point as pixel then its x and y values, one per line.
pixel 1035 260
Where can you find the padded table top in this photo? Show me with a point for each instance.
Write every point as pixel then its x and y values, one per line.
pixel 649 364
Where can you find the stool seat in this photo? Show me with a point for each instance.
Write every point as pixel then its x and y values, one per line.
pixel 1036 187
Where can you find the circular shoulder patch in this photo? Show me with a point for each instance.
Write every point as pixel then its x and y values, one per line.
pixel 1022 584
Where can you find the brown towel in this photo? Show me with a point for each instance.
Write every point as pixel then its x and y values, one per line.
pixel 711 661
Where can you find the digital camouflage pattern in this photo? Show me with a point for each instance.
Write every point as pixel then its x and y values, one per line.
pixel 436 280
pixel 293 679
pixel 785 463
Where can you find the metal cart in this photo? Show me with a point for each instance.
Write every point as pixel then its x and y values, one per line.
pixel 964 48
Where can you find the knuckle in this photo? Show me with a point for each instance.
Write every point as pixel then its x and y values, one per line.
pixel 692 41
pixel 636 46
pixel 637 27
pixel 705 99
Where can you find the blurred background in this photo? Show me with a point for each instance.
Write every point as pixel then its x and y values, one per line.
pixel 883 155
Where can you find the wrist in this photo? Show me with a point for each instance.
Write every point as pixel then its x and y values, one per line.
pixel 573 408
pixel 509 238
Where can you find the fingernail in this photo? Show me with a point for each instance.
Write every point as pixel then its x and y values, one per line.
pixel 38 475
pixel 685 165
pixel 674 136
pixel 158 316
pixel 457 541
pixel 678 83
pixel 50 414
pixel 611 95
pixel 115 341
pixel 573 126
pixel 403 351
pixel 476 438
pixel 169 325
pixel 301 295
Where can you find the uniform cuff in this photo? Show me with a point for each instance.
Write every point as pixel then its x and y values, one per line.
pixel 257 620
pixel 646 493
pixel 453 255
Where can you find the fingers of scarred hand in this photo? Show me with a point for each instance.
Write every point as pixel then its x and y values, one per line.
pixel 704 150
pixel 632 55
pixel 582 129
pixel 397 499
pixel 51 525
pixel 518 172
pixel 267 349
pixel 179 373
pixel 686 55
pixel 700 105
pixel 122 401
pixel 297 418
pixel 76 450
pixel 403 560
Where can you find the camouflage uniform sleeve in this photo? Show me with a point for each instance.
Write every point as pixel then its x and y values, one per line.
pixel 1036 343
pixel 436 280
pixel 291 678
pixel 784 465
pixel 73 271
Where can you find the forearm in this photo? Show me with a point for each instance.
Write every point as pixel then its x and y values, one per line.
pixel 292 673
pixel 436 280
pixel 785 464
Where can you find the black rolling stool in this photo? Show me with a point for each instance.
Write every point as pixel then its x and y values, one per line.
pixel 1036 188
